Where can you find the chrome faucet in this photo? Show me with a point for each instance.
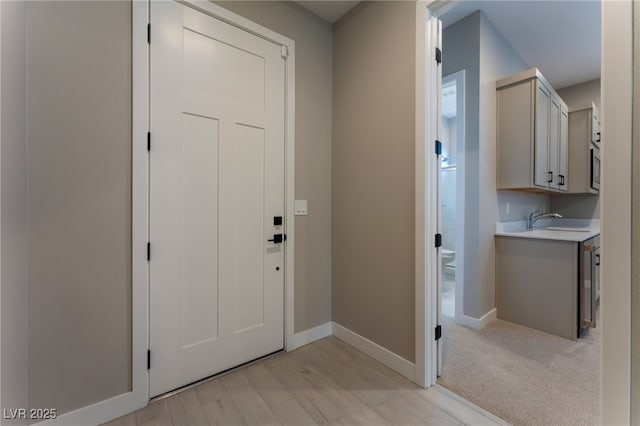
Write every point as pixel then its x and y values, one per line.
pixel 538 214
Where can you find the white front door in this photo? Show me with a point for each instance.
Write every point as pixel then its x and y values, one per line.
pixel 216 187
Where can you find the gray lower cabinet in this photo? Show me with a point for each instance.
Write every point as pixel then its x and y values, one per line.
pixel 537 284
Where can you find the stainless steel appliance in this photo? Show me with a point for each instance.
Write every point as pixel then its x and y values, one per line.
pixel 595 168
pixel 589 289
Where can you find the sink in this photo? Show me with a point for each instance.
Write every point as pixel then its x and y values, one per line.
pixel 564 229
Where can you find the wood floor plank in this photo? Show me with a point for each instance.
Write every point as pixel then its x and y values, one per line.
pixel 342 374
pixel 360 358
pixel 253 409
pixel 333 400
pixel 186 410
pixel 458 407
pixel 412 410
pixel 368 371
pixel 281 402
pixel 155 414
pixel 218 405
pixel 363 418
pixel 287 373
pixel 291 413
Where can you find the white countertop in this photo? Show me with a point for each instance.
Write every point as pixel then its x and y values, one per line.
pixel 577 230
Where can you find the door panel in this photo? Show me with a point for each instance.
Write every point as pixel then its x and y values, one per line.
pixel 216 182
pixel 245 241
pixel 554 145
pixel 541 158
pixel 199 240
pixel 563 160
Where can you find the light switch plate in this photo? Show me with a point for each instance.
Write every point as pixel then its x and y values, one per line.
pixel 300 207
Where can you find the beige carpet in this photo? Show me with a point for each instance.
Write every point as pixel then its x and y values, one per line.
pixel 524 376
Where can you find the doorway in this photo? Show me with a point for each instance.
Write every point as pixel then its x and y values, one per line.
pixel 478 346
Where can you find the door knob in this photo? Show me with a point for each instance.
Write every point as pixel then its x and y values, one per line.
pixel 277 238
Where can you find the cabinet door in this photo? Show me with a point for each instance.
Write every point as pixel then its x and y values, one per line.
pixel 595 126
pixel 541 149
pixel 554 143
pixel 563 151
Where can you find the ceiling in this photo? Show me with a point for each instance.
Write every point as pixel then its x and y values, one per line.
pixel 329 10
pixel 561 38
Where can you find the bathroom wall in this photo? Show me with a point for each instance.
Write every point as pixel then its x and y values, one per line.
pixel 581 206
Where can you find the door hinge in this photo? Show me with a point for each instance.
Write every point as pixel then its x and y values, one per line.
pixel 148 252
pixel 438 240
pixel 438 55
pixel 438 332
pixel 148 141
pixel 285 52
pixel 438 148
pixel 149 33
pixel 148 359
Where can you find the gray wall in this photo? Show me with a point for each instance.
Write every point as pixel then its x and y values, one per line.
pixel 581 206
pixel 313 39
pixel 79 195
pixel 373 174
pixel 13 153
pixel 473 44
pixel 581 95
pixel 497 60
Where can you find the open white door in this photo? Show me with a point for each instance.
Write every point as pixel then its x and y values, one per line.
pixel 434 126
pixel 217 194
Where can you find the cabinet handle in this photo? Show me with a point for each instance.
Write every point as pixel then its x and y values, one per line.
pixel 561 183
pixel 598 137
pixel 550 177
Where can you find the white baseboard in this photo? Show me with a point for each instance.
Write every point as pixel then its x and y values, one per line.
pixel 478 323
pixel 100 412
pixel 375 351
pixel 312 334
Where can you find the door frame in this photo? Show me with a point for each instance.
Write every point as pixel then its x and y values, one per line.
pixel 426 220
pixel 141 163
pixel 617 76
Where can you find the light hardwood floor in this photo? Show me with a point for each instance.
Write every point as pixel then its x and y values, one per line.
pixel 326 382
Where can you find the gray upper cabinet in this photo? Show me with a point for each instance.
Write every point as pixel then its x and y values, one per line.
pixel 533 153
pixel 584 140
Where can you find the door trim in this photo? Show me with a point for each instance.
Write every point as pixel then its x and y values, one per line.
pixel 426 256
